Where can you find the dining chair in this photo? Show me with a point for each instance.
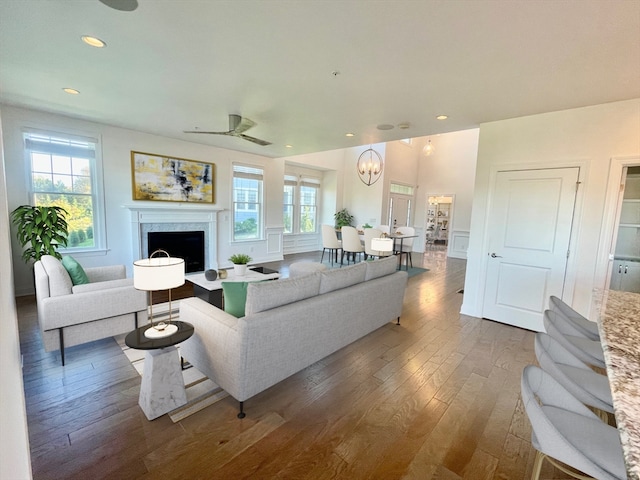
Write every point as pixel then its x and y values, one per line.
pixel 407 244
pixel 330 242
pixel 351 244
pixel 566 432
pixel 588 328
pixel 577 377
pixel 370 233
pixel 589 351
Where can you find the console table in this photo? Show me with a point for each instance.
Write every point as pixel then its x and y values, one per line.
pixel 162 388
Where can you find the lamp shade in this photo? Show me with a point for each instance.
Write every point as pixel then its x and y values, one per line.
pixel 382 244
pixel 158 273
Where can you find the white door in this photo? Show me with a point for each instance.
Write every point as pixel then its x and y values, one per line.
pixel 399 210
pixel 529 233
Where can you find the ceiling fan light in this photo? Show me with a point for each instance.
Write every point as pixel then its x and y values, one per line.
pixel 93 41
pixel 71 91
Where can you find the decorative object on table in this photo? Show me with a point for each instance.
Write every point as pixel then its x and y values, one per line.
pixel 211 275
pixel 45 229
pixel 171 179
pixel 240 261
pixel 369 166
pixel 343 218
pixel 222 274
pixel 158 273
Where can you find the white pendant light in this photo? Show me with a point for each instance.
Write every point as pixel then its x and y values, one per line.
pixel 428 149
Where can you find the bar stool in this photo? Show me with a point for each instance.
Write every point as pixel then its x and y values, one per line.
pixel 588 328
pixel 564 430
pixel 589 351
pixel 577 377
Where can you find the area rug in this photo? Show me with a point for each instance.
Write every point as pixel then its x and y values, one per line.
pixel 413 271
pixel 201 392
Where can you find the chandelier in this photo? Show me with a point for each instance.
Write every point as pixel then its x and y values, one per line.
pixel 369 166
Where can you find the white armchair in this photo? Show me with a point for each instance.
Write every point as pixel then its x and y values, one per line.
pixel 74 314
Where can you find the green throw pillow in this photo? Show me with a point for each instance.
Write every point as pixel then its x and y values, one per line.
pixel 77 274
pixel 235 297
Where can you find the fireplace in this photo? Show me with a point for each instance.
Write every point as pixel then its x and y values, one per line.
pixel 183 244
pixel 146 219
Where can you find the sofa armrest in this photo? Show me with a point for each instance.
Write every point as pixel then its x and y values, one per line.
pixel 101 274
pixel 65 310
pixel 216 347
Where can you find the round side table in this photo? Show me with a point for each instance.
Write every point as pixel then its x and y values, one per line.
pixel 162 388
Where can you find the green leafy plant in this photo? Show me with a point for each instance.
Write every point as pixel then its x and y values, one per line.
pixel 343 218
pixel 44 229
pixel 240 258
pixel 366 225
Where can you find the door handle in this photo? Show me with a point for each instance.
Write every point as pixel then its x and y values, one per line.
pixel 626 268
pixel 619 268
pixel 493 255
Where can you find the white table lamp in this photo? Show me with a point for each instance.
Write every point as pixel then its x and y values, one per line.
pixel 382 245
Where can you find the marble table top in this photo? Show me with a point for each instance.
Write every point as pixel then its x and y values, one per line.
pixel 619 327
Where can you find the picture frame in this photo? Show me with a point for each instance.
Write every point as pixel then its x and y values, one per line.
pixel 171 179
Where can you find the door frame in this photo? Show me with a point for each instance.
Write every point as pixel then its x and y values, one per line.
pixel 570 274
pixel 611 213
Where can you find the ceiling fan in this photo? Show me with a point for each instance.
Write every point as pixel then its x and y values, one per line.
pixel 237 125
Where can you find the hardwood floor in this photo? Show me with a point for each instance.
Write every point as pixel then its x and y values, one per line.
pixel 436 397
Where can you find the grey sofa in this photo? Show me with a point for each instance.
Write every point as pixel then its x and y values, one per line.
pixel 74 314
pixel 290 324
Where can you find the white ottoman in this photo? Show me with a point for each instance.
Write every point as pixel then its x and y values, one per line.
pixel 300 269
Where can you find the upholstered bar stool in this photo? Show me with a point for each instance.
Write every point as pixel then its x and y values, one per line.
pixel 564 430
pixel 588 328
pixel 589 351
pixel 577 377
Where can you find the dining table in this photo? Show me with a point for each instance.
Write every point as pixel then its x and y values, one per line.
pixel 618 316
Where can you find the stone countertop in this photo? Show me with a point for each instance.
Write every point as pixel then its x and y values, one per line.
pixel 619 326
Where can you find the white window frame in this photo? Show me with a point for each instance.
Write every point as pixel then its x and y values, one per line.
pixel 97 184
pixel 259 203
pixel 298 181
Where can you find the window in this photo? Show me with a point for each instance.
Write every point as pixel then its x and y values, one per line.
pixel 300 208
pixel 247 202
pixel 63 172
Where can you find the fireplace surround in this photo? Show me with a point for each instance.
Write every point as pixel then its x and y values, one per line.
pixel 180 218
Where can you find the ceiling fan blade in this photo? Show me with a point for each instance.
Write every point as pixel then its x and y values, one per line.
pixel 209 133
pixel 254 140
pixel 244 125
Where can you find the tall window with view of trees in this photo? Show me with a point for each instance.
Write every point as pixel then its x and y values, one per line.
pixel 247 202
pixel 62 174
pixel 300 212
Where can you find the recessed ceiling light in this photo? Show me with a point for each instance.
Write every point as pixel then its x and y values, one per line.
pixel 71 91
pixel 403 126
pixel 288 146
pixel 442 117
pixel 93 41
pixel 385 126
pixel 349 134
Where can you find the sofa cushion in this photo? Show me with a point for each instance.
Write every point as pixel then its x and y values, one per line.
pixel 235 297
pixel 339 278
pixel 274 293
pixel 59 280
pixel 381 267
pixel 75 270
pixel 299 269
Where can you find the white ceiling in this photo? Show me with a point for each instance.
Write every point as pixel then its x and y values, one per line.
pixel 171 66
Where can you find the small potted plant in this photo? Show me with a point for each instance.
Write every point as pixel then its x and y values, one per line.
pixel 240 261
pixel 44 229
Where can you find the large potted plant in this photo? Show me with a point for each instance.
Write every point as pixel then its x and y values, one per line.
pixel 240 261
pixel 43 229
pixel 343 218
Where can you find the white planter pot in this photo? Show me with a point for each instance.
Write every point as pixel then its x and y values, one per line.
pixel 239 270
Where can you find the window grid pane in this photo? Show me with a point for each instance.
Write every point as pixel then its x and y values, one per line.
pixel 247 205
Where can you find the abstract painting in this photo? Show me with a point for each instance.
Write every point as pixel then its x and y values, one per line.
pixel 169 179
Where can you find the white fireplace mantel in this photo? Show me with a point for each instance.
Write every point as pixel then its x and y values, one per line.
pixel 174 217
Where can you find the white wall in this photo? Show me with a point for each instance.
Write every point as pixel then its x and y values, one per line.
pixel 589 137
pixel 117 144
pixel 15 461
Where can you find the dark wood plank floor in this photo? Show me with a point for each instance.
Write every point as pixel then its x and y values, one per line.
pixel 436 397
